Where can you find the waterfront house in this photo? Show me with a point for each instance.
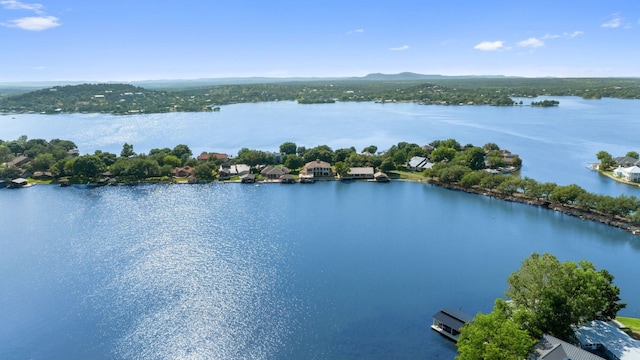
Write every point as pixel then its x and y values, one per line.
pixel 607 338
pixel 449 321
pixel 626 161
pixel 317 169
pixel 359 173
pixel 221 156
pixel 419 163
pixel 235 169
pixel 19 160
pixel 552 348
pixel 203 157
pixel 274 172
pixel 628 173
pixel 182 172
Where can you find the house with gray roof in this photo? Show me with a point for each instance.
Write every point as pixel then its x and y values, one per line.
pixel 626 161
pixel 419 163
pixel 552 348
pixel 631 173
pixel 359 173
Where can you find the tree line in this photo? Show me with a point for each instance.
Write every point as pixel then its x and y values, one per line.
pixel 128 99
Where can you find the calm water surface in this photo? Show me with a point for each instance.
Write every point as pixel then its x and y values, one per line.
pixel 328 270
pixel 324 271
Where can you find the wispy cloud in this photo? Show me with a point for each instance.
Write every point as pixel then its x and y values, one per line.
pixel 613 22
pixel 566 35
pixel 490 46
pixel 400 48
pixel 531 42
pixel 31 23
pixel 34 23
pixel 356 31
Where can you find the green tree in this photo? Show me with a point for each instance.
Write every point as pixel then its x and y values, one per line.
pixel 88 166
pixel 557 295
pixel 606 160
pixel 204 172
pixel 294 161
pixel 107 158
pixel 442 153
pixel 342 169
pixel 5 154
pixel 371 149
pixel 494 336
pixel 387 165
pixel 127 151
pixel 322 152
pixel 633 154
pixel 42 162
pixel 342 154
pixel 566 194
pixel 171 160
pixel 288 148
pixel 475 158
pixel 182 152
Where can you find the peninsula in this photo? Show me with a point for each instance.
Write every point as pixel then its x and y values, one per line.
pixel 485 170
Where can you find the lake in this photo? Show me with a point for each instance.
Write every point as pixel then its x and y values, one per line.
pixel 320 271
pixel 555 144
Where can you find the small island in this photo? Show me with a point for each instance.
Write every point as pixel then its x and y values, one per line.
pixel 545 103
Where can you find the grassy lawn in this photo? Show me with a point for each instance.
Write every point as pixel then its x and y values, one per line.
pixel 408 175
pixel 632 323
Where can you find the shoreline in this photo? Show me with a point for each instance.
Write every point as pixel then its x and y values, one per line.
pixel 588 215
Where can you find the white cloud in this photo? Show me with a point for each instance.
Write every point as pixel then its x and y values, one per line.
pixel 34 23
pixel 356 31
pixel 400 48
pixel 614 21
pixel 531 42
pixel 566 35
pixel 490 46
pixel 17 5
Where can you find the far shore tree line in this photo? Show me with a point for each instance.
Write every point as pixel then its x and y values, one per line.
pixel 465 166
pixel 196 96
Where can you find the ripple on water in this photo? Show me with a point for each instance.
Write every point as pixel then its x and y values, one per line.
pixel 193 285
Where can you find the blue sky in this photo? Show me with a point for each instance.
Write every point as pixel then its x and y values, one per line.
pixel 127 40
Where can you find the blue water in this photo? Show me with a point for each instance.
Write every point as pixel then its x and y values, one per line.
pixel 320 271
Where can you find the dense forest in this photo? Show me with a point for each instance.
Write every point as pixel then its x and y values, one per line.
pixel 131 99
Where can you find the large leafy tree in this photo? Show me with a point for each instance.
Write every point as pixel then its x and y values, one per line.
pixel 288 148
pixel 606 160
pixel 88 166
pixel 557 295
pixel 495 336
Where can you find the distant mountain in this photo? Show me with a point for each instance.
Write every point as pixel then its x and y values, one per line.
pixel 191 83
